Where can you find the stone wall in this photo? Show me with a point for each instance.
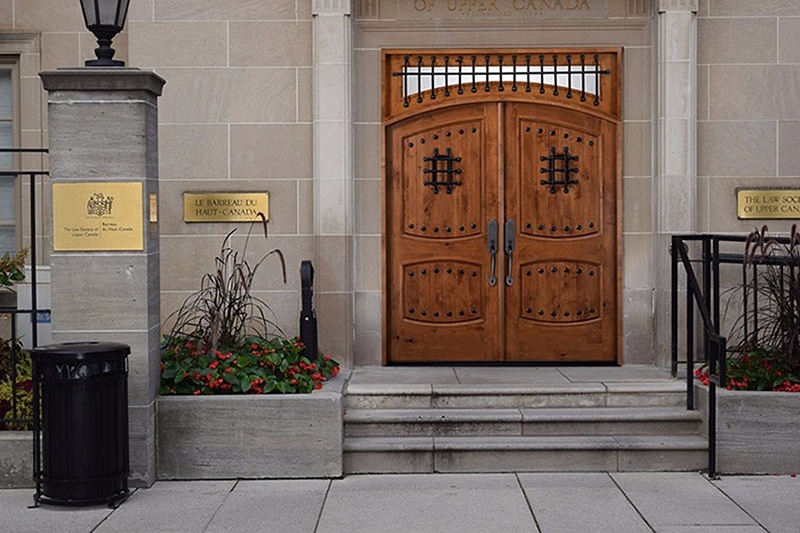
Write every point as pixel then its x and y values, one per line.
pixel 239 114
pixel 237 117
pixel 748 106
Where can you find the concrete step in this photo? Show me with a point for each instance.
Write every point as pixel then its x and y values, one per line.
pixel 526 421
pixel 524 454
pixel 504 396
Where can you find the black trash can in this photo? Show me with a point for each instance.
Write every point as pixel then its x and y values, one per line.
pixel 83 457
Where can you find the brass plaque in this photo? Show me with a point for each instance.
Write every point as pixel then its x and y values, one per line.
pixel 768 203
pixel 98 216
pixel 225 206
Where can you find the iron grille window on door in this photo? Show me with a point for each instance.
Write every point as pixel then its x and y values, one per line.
pixel 578 75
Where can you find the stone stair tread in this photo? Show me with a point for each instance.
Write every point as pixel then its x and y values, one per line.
pixel 488 444
pixel 387 444
pixel 514 396
pixel 365 416
pixel 609 414
pixel 572 414
pixel 383 389
pixel 599 442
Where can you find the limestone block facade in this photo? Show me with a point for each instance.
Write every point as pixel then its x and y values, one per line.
pixel 285 96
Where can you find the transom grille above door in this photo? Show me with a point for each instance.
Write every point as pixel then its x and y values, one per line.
pixel 419 79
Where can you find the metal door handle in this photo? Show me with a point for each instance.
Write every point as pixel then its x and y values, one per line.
pixel 492 252
pixel 510 244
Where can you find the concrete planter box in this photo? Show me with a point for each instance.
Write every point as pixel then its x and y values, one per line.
pixel 251 436
pixel 16 459
pixel 757 432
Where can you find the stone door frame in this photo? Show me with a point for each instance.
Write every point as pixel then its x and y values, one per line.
pixel 672 86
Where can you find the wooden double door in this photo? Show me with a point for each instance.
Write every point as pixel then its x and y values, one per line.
pixel 501 235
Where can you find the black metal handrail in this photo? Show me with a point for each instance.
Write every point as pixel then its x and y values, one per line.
pixel 703 294
pixel 715 345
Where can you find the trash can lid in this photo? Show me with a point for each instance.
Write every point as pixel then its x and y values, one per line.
pixel 82 351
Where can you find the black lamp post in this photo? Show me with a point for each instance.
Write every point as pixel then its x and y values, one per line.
pixel 105 19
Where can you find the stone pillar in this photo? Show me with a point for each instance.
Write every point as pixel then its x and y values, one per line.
pixel 103 128
pixel 676 179
pixel 333 176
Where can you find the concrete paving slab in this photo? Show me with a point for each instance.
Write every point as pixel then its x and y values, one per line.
pixel 663 502
pixel 711 529
pixel 500 375
pixel 181 506
pixel 680 499
pixel 607 374
pixel 16 516
pixel 573 502
pixel 281 505
pixel 774 501
pixel 403 374
pixel 423 503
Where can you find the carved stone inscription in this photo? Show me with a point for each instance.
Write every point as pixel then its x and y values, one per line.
pixel 503 9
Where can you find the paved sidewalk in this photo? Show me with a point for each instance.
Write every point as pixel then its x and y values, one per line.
pixel 616 502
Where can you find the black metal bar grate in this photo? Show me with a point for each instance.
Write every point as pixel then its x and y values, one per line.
pixel 436 169
pixel 552 170
pixel 12 347
pixel 703 293
pixel 433 75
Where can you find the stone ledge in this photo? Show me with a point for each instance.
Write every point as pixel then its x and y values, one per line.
pixel 102 79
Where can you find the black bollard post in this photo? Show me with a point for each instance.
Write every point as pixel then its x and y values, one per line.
pixel 308 317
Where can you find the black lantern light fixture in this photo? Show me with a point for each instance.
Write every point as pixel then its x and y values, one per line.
pixel 105 19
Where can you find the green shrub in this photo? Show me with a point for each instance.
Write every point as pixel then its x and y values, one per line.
pixel 11 268
pixel 224 340
pixel 255 367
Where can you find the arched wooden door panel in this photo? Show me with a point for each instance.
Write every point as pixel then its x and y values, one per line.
pixel 443 193
pixel 501 231
pixel 560 191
